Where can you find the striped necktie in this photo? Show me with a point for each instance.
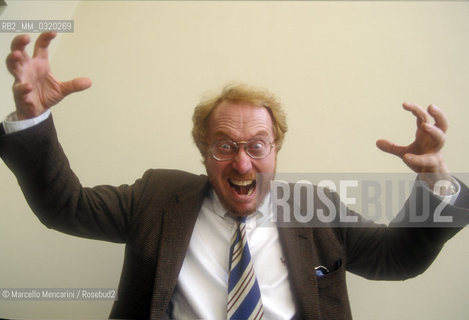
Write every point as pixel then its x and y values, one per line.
pixel 244 296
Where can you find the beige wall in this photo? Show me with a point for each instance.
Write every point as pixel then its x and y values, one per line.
pixel 342 70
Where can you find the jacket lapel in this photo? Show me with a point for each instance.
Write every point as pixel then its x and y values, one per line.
pixel 297 247
pixel 178 224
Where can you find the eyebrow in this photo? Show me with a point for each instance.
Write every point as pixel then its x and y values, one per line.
pixel 225 135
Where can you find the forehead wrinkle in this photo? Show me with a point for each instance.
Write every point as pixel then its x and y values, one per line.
pixel 235 129
pixel 228 123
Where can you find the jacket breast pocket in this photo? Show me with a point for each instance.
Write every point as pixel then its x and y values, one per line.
pixel 332 292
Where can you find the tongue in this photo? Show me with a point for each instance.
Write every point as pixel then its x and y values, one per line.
pixel 243 190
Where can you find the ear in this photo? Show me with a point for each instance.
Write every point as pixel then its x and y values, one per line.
pixel 205 157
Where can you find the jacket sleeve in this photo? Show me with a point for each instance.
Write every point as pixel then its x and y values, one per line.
pixel 56 195
pixel 404 249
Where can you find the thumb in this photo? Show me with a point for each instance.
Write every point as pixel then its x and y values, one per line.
pixel 390 147
pixel 77 84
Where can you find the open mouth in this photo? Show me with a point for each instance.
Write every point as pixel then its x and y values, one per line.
pixel 243 187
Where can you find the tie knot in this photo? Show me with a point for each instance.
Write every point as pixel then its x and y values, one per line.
pixel 242 219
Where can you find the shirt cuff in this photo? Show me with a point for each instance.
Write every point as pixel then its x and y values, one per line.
pixel 12 124
pixel 449 198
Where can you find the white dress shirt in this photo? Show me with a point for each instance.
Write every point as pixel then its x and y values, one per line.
pixel 202 287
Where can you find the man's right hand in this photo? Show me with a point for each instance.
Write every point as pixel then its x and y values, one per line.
pixel 35 89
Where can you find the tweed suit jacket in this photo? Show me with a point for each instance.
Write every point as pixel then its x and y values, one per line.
pixel 155 217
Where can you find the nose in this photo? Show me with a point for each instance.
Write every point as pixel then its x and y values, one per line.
pixel 242 162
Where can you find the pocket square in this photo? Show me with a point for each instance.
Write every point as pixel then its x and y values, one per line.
pixel 321 271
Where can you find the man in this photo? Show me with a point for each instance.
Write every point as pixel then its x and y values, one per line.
pixel 178 227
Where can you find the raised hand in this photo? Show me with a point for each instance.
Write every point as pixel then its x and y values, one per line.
pixel 424 154
pixel 35 88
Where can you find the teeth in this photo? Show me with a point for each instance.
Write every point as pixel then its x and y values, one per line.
pixel 243 187
pixel 242 182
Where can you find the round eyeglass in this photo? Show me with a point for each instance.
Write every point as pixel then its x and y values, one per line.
pixel 226 149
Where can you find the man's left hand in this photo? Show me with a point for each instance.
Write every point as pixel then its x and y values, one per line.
pixel 424 154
